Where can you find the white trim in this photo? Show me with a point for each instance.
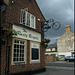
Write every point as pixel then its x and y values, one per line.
pixel 25 51
pixel 26 19
pixel 20 17
pixel 34 61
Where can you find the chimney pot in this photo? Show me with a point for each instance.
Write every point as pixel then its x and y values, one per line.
pixel 67 28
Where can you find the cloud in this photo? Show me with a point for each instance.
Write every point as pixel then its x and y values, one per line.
pixel 59 10
pixel 55 37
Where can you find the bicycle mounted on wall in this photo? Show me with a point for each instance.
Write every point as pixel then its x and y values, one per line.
pixel 54 24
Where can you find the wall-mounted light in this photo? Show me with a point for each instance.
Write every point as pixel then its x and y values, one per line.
pixel 38 19
pixel 12 1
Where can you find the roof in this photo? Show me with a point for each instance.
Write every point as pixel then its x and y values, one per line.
pixel 66 34
pixel 52 45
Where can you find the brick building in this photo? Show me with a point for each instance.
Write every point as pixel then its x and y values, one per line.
pixel 23 52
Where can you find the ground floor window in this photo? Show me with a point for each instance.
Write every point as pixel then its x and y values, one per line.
pixel 19 51
pixel 35 52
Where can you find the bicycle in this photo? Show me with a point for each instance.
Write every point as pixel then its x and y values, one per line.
pixel 55 25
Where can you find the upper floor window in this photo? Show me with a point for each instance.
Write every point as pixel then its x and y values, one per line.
pixel 27 19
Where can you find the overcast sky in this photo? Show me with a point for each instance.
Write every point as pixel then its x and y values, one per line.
pixel 59 10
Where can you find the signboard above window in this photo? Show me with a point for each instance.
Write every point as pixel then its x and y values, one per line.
pixel 27 19
pixel 27 34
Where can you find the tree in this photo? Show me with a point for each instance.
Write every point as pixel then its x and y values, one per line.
pixel 46 42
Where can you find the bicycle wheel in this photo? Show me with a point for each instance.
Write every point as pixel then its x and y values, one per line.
pixel 46 27
pixel 56 25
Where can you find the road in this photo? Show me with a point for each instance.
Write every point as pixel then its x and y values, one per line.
pixel 58 68
pixel 60 64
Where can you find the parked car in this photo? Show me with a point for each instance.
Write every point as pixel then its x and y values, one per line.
pixel 70 58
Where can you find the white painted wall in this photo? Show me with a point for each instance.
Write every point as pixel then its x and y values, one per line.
pixel 65 53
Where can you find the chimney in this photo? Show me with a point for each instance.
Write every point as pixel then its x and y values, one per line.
pixel 67 28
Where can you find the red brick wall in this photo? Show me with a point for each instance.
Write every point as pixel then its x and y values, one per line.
pixel 13 15
pixel 14 11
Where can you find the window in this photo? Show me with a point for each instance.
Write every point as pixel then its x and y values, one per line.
pixel 32 21
pixel 48 50
pixel 35 52
pixel 18 52
pixel 27 19
pixel 23 17
pixel 53 49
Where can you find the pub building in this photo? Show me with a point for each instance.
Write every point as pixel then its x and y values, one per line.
pixel 23 47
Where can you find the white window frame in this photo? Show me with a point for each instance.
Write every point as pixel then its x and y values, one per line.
pixel 25 52
pixel 21 18
pixel 38 60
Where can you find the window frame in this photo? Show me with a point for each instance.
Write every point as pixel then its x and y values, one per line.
pixel 38 60
pixel 25 53
pixel 21 19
